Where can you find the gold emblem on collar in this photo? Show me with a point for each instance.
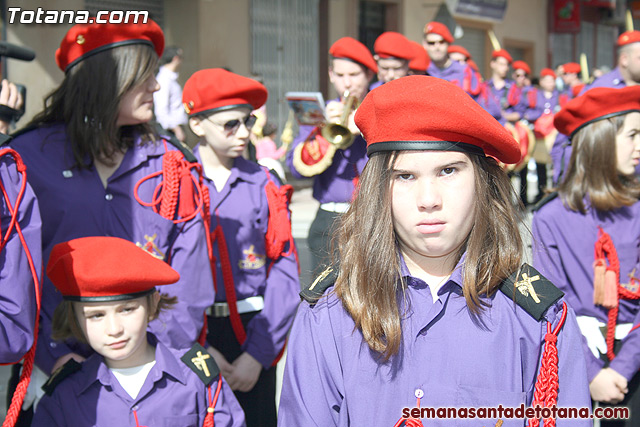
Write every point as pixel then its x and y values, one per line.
pixel 525 286
pixel 151 247
pixel 200 362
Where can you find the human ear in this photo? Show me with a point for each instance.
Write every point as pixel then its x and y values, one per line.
pixel 195 124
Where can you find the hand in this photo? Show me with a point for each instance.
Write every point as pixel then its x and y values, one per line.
pixel 245 374
pixel 225 367
pixel 12 98
pixel 64 359
pixel 608 386
pixel 334 111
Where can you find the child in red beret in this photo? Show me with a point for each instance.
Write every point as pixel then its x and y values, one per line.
pixel 109 290
pixel 257 277
pixel 99 167
pixel 430 306
pixel 587 237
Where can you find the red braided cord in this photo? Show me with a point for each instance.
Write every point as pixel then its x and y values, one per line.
pixel 208 420
pixel 229 286
pixel 166 193
pixel 605 248
pixel 546 389
pixel 513 96
pixel 466 82
pixel 21 390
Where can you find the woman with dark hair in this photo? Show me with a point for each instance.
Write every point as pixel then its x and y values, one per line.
pixel 596 211
pixel 430 306
pixel 99 169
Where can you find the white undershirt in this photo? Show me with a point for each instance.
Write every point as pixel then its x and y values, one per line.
pixel 132 379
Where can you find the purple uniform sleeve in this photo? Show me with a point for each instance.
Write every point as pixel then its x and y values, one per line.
pixel 17 290
pixel 267 331
pixel 303 133
pixel 627 360
pixel 312 390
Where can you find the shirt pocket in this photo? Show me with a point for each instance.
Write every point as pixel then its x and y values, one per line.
pixel 181 421
pixel 153 233
pixel 478 396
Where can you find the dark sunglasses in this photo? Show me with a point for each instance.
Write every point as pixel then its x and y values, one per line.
pixel 435 43
pixel 232 126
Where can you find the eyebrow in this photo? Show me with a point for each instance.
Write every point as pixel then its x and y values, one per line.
pixel 439 167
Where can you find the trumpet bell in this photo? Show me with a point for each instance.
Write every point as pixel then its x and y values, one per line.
pixel 337 135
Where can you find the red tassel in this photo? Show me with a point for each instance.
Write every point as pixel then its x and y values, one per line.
pixel 208 420
pixel 599 269
pixel 187 199
pixel 610 289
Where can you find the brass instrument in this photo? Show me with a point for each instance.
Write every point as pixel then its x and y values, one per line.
pixel 338 134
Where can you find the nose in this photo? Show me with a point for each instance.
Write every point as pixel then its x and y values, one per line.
pixel 154 86
pixel 243 131
pixel 113 325
pixel 347 82
pixel 428 195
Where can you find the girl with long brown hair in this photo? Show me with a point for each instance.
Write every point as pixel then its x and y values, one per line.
pixel 430 306
pixel 587 237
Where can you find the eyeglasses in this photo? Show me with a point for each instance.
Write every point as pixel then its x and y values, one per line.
pixel 519 76
pixel 231 127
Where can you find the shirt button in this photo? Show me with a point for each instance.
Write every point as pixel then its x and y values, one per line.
pixel 419 393
pixel 135 408
pixel 108 196
pixel 53 344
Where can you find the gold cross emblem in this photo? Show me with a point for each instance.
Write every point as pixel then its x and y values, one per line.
pixel 151 247
pixel 525 286
pixel 199 362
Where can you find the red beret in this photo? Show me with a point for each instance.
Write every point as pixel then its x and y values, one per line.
pixel 434 27
pixel 215 89
pixel 502 53
pixel 84 40
pixel 351 49
pixel 547 72
pixel 455 48
pixel 428 113
pixel 571 67
pixel 629 37
pixel 106 269
pixel 521 65
pixel 420 60
pixel 471 63
pixel 393 45
pixel 596 104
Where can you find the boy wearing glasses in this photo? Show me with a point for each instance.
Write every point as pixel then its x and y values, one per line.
pixel 256 280
pixel 436 41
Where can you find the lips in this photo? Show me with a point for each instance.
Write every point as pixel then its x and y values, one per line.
pixel 431 226
pixel 118 344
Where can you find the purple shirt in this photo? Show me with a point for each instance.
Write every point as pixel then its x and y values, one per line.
pixel 243 212
pixel 564 243
pixel 332 378
pixel 73 204
pixel 17 290
pixel 458 74
pixel 543 105
pixel 336 184
pixel 172 395
pixel 495 101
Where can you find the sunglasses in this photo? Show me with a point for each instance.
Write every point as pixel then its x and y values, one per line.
pixel 232 126
pixel 519 76
pixel 435 43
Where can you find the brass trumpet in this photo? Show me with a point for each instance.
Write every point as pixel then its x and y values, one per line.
pixel 338 134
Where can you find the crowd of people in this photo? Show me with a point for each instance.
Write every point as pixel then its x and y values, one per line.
pixel 152 283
